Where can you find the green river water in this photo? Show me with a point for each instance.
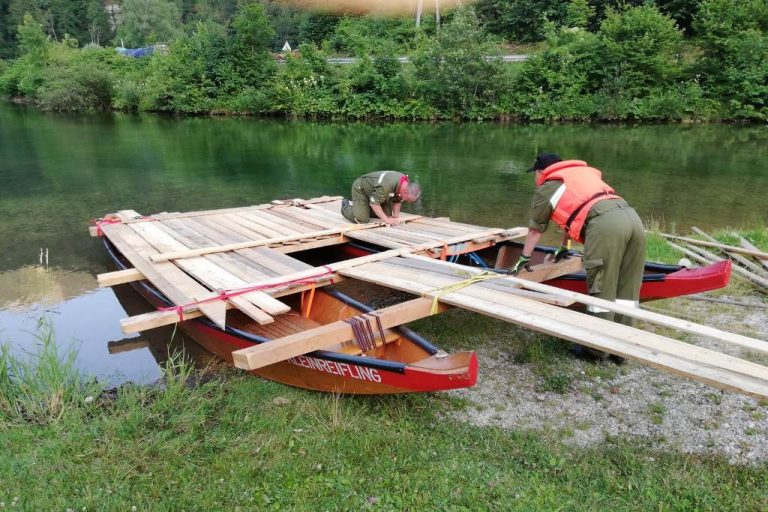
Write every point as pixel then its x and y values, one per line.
pixel 57 172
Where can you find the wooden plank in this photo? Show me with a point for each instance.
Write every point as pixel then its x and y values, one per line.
pixel 436 231
pixel 281 349
pixel 231 262
pixel 648 316
pixel 164 216
pixel 230 226
pixel 314 244
pixel 180 254
pixel 335 267
pixel 212 274
pixel 167 277
pixel 270 222
pixel 119 277
pixel 680 358
pixel 302 217
pixel 740 250
pixel 262 227
pixel 759 271
pixel 428 265
pixel 747 245
pixel 689 253
pixel 155 319
pixel 742 272
pixel 280 217
pixel 322 275
pixel 377 239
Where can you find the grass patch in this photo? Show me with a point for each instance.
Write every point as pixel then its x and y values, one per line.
pixel 239 442
pixel 243 442
pixel 42 387
pixel 656 411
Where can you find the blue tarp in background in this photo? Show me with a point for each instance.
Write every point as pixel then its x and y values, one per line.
pixel 136 52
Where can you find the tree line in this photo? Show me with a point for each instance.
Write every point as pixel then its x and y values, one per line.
pixel 677 60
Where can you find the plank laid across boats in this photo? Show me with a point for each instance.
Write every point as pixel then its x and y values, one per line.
pixel 268 263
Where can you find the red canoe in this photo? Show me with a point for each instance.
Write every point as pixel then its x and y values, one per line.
pixel 659 282
pixel 407 363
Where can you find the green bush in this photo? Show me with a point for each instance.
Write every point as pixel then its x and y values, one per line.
pixel 458 72
pixel 640 49
pixel 304 85
pixel 76 88
pixel 734 68
pixel 630 69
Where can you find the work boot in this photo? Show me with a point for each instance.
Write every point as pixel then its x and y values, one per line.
pixel 618 359
pixel 588 354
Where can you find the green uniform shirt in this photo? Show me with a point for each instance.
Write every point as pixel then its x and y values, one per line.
pixel 380 186
pixel 541 205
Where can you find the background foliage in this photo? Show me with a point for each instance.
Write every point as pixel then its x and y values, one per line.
pixel 609 60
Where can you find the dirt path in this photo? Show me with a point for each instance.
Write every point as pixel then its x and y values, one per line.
pixel 651 406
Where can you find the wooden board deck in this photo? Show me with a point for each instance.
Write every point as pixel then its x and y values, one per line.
pixel 235 251
pixel 208 262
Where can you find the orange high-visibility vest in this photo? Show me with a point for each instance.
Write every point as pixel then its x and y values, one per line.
pixel 582 188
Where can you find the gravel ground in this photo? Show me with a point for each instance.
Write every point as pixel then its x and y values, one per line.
pixel 662 410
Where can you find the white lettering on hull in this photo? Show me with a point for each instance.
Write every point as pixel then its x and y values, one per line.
pixel 352 371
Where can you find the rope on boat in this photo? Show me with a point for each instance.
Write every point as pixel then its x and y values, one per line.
pixel 225 295
pixel 107 221
pixel 473 278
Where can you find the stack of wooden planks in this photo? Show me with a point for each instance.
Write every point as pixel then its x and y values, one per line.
pixel 242 254
pixel 208 262
pixel 755 272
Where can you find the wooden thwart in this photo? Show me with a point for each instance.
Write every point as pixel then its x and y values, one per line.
pixel 258 356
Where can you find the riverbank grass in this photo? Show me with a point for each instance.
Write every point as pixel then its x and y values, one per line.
pixel 243 443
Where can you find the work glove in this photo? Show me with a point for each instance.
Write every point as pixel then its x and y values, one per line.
pixel 561 253
pixel 523 263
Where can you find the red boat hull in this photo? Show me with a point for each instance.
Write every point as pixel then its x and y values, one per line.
pixel 409 364
pixel 685 281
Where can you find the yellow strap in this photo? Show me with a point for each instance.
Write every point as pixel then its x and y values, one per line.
pixel 473 278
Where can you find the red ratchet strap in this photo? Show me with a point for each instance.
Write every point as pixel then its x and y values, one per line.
pixel 224 295
pixel 104 222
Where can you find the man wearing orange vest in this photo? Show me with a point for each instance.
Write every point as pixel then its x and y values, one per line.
pixel 575 197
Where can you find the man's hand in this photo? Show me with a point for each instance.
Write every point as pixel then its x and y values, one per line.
pixel 560 254
pixel 390 221
pixel 523 263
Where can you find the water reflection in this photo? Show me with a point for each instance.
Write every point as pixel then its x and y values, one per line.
pixel 56 172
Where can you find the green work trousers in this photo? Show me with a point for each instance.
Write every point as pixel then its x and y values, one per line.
pixel 359 210
pixel 614 256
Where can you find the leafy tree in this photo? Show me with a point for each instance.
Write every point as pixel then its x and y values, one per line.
pixel 456 71
pixel 33 42
pixel 26 74
pixel 252 35
pixel 149 21
pixel 734 67
pixel 316 27
pixel 304 85
pixel 640 48
pixel 578 13
pixel 7 39
pixel 521 20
